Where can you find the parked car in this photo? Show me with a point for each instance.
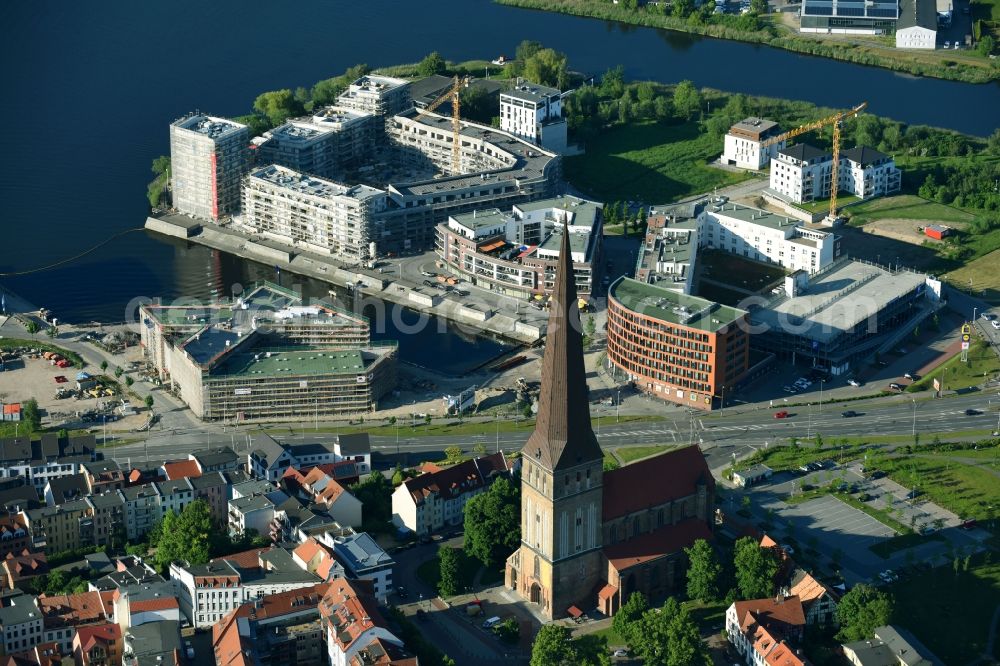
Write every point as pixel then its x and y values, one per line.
pixel 912 376
pixel 973 412
pixel 849 413
pixel 877 474
pixel 620 653
pixel 895 387
pixel 987 316
pixel 854 382
pixel 913 494
pixel 995 324
pixel 781 415
pixel 491 622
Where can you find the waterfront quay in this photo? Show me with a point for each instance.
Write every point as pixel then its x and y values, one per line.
pixel 463 305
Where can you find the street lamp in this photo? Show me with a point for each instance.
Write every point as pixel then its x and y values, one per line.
pixel 722 411
pixel 619 404
pixel 821 383
pixel 913 433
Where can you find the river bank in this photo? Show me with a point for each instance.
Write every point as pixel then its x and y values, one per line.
pixel 960 66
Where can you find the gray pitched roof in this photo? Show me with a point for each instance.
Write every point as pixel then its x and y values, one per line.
pixel 15 449
pixel 213 457
pixel 913 13
pixel 357 444
pixel 266 448
pixel 864 155
pixel 804 152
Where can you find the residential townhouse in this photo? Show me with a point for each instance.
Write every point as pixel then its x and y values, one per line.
pixel 818 600
pixel 68 526
pixel 210 591
pixel 153 643
pixel 354 624
pixel 14 535
pixel 323 489
pixel 66 488
pixel 436 499
pixel 213 488
pixel 222 459
pixel 98 645
pixel 155 601
pixel 20 624
pixel 318 558
pixel 758 627
pixel 65 614
pixel 103 476
pixel 174 495
pixel 16 569
pixel 268 459
pixel 142 510
pixel 47 458
pixel 108 512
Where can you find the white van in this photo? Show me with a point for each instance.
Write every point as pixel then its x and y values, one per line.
pixel 491 622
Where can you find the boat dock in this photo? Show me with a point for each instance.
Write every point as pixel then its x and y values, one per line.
pixel 475 312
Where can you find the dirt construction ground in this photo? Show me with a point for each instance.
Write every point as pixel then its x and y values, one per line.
pixel 901 229
pixel 35 378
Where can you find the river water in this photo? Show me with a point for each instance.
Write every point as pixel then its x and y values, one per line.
pixel 92 87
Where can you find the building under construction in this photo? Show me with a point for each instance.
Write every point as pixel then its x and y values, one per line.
pixel 266 355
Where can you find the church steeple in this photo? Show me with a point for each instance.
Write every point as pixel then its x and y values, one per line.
pixel 563 436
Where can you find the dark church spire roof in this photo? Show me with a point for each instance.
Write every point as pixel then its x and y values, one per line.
pixel 563 436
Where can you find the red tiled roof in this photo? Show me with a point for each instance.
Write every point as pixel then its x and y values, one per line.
pixel 94 634
pixel 108 601
pixel 767 542
pixel 461 478
pixel 350 609
pixel 808 589
pixel 162 603
pixel 768 612
pixel 181 469
pixel 248 559
pixel 71 609
pixel 607 592
pixel 654 481
pixel 658 543
pixel 13 408
pixel 783 655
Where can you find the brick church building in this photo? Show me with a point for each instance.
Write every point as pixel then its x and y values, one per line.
pixel 590 538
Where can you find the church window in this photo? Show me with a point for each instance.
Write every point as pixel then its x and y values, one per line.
pixel 659 517
pixel 635 526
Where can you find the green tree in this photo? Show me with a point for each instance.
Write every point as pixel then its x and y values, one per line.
pixel 493 522
pixel 375 493
pixel 129 381
pixel 148 400
pixel 755 569
pixel 613 83
pixel 627 622
pixel 526 49
pixel 668 636
pixel 277 105
pixel 453 454
pixel 302 98
pixel 427 419
pixel 682 8
pixel 477 104
pixel 993 143
pixel 448 585
pixel 104 366
pixel 31 327
pixel 687 99
pixel 185 535
pixel 547 67
pixel 119 372
pixel 30 414
pixel 432 64
pixel 479 449
pixel 397 476
pixel 52 331
pixel 704 572
pixel 758 6
pixel 554 646
pixel 986 45
pixel 861 610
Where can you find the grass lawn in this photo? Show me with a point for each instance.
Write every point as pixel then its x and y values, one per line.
pixel 719 294
pixel 648 161
pixel 885 549
pixel 954 374
pixel 980 275
pixel 823 205
pixel 905 206
pixel 449 426
pixel 631 453
pixel 967 490
pixel 950 614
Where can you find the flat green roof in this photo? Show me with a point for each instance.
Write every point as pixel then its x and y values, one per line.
pixel 292 363
pixel 673 307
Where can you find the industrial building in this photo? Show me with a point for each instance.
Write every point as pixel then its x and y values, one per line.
pixel 534 112
pixel 842 314
pixel 312 212
pixel 802 173
pixel 850 17
pixel 918 23
pixel 742 143
pixel 679 348
pixel 516 253
pixel 208 158
pixel 266 355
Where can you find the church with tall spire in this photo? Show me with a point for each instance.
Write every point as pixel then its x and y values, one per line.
pixel 589 538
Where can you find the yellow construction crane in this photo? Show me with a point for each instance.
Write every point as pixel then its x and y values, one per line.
pixel 456 120
pixel 835 120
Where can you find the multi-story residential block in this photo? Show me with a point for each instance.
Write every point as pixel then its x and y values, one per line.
pixel 152 643
pixel 534 112
pixel 763 236
pixel 317 558
pixel 679 348
pixel 378 95
pixel 669 253
pixel 98 645
pixel 214 490
pixel 355 629
pixel 222 459
pixel 14 535
pixel 103 476
pixel 437 498
pixel 68 526
pixel 142 510
pixel 21 626
pixel 516 253
pixel 255 512
pixel 362 559
pixel 65 488
pixel 108 511
pixel 208 158
pixel 65 614
pixel 742 146
pixel 174 495
pixel 318 214
pixel 802 173
pixel 209 591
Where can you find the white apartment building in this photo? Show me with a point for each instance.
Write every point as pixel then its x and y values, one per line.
pixel 764 236
pixel 319 214
pixel 322 145
pixel 802 173
pixel 377 95
pixel 174 495
pixel 20 624
pixel 742 143
pixel 534 112
pixel 207 592
pixel 208 158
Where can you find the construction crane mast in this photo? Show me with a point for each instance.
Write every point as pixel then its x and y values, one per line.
pixel 836 120
pixel 453 94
